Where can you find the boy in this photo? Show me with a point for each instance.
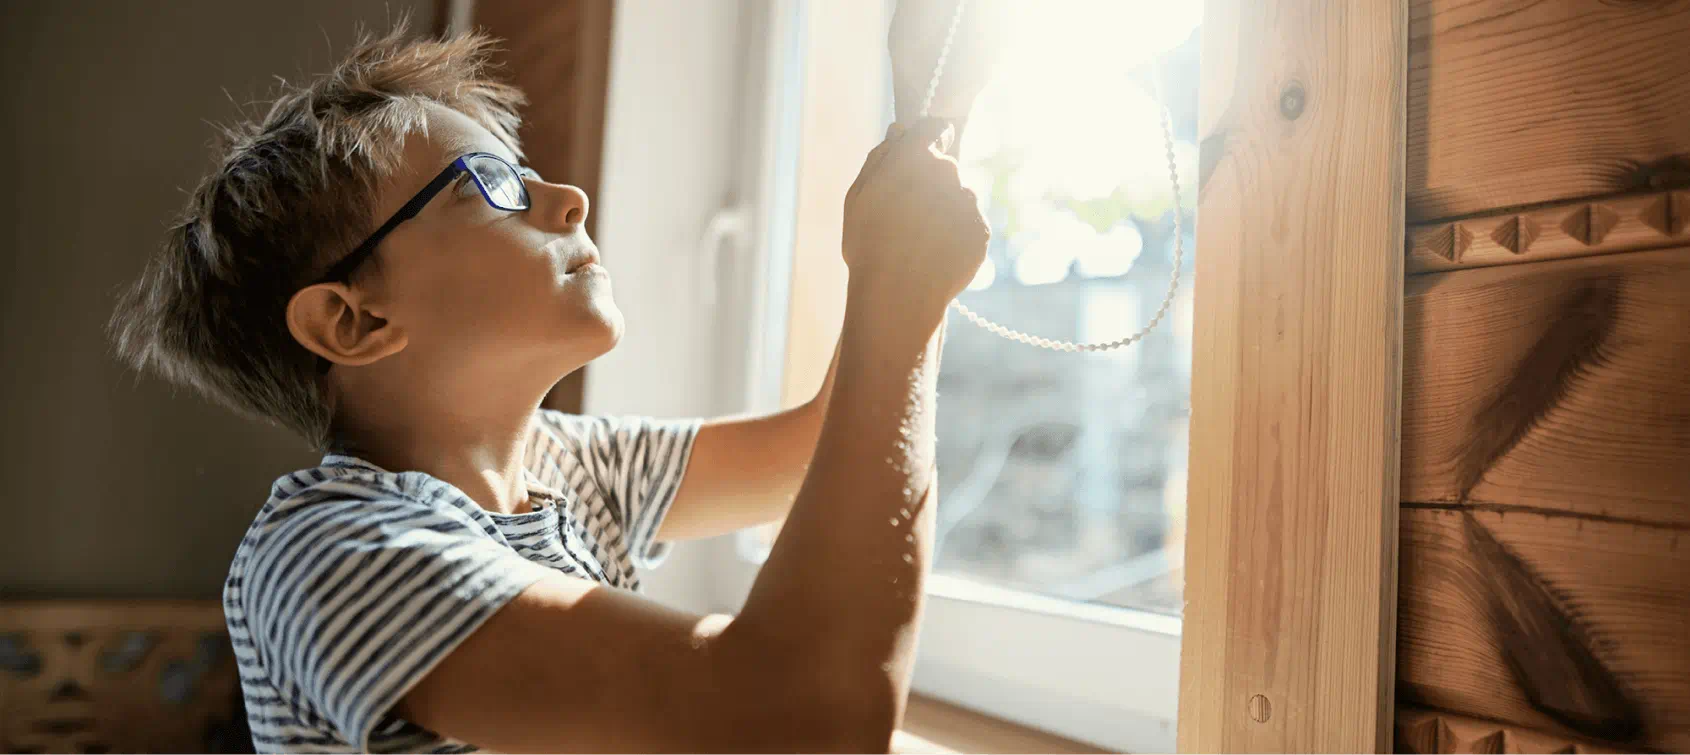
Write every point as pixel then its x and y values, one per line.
pixel 372 268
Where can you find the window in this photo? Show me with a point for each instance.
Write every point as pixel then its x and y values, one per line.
pixel 1062 476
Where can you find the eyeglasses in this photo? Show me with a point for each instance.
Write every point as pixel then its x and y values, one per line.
pixel 501 184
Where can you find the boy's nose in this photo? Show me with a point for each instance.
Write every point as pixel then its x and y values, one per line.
pixel 558 205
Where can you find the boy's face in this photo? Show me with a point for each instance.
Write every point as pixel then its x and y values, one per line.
pixel 479 292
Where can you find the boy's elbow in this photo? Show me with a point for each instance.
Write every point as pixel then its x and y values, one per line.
pixel 865 700
pixel 831 706
pixel 849 712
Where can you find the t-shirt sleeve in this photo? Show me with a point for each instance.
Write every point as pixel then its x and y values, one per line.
pixel 637 463
pixel 352 602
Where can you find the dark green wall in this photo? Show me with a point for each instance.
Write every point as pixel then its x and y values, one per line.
pixel 118 486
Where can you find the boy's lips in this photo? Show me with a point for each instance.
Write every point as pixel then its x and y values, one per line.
pixel 573 252
pixel 581 258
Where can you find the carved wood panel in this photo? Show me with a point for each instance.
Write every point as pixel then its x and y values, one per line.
pixel 1545 540
pixel 1426 731
pixel 1627 223
pixel 1554 622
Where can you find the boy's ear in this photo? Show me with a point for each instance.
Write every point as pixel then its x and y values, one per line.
pixel 336 323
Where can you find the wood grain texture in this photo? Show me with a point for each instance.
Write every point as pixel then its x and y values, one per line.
pixel 1582 228
pixel 558 53
pixel 1518 102
pixel 1291 539
pixel 1565 625
pixel 932 725
pixel 1562 387
pixel 1428 731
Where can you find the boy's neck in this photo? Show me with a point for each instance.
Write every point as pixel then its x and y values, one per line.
pixel 479 452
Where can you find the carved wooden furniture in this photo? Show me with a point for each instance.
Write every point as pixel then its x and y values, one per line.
pixel 118 676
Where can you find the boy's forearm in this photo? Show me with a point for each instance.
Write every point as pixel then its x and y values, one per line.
pixel 824 394
pixel 845 578
pixel 746 471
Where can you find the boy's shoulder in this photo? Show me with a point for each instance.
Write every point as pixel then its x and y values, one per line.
pixel 348 574
pixel 343 489
pixel 347 480
pixel 344 483
pixel 575 430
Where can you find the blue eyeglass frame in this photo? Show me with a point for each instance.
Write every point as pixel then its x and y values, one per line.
pixel 343 269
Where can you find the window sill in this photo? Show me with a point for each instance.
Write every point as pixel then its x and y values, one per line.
pixel 935 727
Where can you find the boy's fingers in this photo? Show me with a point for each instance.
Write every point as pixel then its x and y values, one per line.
pixel 894 130
pixel 933 134
pixel 871 162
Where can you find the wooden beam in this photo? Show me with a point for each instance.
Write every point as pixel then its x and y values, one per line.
pixel 1562 624
pixel 1558 387
pixel 558 53
pixel 1291 542
pixel 1520 102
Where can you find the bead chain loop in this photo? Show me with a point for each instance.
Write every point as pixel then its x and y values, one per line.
pixel 1179 239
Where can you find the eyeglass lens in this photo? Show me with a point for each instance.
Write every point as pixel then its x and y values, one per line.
pixel 504 187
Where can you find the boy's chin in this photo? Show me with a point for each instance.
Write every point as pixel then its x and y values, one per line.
pixel 597 331
pixel 610 317
pixel 612 334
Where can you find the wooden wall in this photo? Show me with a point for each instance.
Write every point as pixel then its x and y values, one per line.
pixel 1517 102
pixel 1544 595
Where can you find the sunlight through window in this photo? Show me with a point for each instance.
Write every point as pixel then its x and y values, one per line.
pixel 1058 470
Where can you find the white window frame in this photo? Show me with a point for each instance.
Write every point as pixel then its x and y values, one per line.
pixel 670 223
pixel 1103 675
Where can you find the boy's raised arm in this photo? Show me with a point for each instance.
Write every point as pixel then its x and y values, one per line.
pixel 746 470
pixel 819 658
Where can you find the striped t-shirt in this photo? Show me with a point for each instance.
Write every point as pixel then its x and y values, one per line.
pixel 353 581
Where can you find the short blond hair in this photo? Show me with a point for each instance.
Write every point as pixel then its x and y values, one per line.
pixel 292 193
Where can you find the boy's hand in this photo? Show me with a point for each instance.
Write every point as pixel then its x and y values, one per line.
pixel 913 236
pixel 918 34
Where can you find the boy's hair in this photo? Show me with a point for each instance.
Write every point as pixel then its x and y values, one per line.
pixel 293 193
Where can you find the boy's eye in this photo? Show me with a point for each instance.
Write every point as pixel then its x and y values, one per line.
pixel 466 186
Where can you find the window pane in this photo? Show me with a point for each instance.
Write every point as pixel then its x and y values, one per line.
pixel 1064 474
